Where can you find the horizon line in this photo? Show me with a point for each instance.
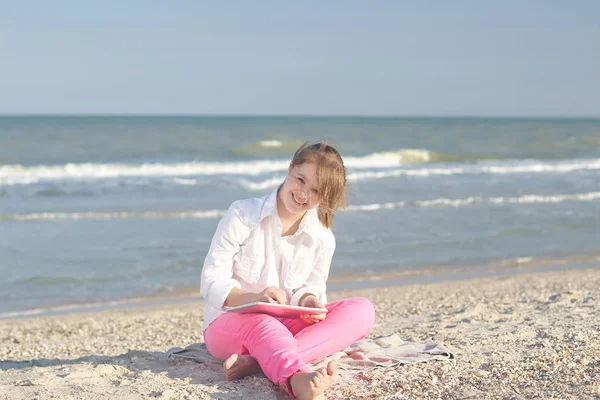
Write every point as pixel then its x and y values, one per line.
pixel 259 115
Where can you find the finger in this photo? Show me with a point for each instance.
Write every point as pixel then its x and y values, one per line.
pixel 280 297
pixel 317 317
pixel 318 304
pixel 275 294
pixel 284 296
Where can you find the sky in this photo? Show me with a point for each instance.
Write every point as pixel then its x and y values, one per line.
pixel 401 58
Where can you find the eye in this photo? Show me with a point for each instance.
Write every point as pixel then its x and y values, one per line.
pixel 301 180
pixel 315 191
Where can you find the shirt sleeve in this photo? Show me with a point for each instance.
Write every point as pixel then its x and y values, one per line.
pixel 217 273
pixel 316 283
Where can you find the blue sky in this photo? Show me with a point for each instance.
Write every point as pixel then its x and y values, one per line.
pixel 463 58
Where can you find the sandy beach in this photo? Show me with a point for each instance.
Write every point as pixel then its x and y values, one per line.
pixel 519 337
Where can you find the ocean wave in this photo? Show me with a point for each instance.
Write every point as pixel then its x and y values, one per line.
pixel 74 216
pixel 212 214
pixel 546 199
pixel 483 168
pixel 17 174
pixel 186 182
pixel 444 202
pixel 270 143
pixel 471 169
pixel 383 165
pixel 262 185
pixel 427 156
pixel 268 146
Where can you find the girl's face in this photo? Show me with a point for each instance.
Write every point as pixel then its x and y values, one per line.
pixel 299 192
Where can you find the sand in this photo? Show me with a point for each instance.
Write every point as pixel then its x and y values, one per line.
pixel 519 337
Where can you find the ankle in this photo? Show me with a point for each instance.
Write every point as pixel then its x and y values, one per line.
pixel 293 381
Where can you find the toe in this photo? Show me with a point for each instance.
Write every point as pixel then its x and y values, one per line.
pixel 332 368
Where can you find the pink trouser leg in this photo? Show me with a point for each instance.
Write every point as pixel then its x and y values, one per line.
pixel 283 347
pixel 263 337
pixel 348 321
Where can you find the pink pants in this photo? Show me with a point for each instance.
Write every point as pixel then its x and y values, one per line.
pixel 284 346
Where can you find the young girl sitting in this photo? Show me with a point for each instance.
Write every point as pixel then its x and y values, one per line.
pixel 278 249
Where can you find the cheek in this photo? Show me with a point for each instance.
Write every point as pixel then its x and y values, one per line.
pixel 289 185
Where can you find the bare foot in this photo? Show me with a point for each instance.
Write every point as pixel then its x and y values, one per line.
pixel 311 385
pixel 238 366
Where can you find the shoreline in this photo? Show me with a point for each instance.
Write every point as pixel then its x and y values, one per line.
pixel 336 283
pixel 522 336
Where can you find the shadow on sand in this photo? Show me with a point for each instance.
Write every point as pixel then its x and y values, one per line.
pixel 126 367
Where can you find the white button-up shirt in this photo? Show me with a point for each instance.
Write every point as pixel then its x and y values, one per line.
pixel 246 252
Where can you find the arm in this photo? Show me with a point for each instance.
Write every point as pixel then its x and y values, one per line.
pixel 237 297
pixel 217 273
pixel 310 299
pixel 316 284
pixel 218 286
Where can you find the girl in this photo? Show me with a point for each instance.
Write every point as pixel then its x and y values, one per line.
pixel 278 249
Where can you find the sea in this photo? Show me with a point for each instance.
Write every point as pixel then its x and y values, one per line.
pixel 105 209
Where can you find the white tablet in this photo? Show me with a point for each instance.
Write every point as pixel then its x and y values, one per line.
pixel 276 310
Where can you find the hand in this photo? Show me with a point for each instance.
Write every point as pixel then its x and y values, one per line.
pixel 272 294
pixel 312 302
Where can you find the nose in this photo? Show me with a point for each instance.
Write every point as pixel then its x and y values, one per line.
pixel 304 195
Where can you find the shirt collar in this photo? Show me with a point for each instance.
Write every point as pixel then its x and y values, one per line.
pixel 310 224
pixel 269 205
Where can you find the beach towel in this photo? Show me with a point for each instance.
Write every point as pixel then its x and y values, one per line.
pixel 384 351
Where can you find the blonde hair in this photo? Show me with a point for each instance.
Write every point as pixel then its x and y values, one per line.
pixel 331 177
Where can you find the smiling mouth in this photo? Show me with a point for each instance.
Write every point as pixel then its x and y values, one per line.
pixel 296 202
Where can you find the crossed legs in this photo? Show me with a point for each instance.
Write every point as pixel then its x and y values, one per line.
pixel 282 348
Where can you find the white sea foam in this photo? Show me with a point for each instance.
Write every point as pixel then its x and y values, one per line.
pixel 384 164
pixel 18 174
pixel 392 158
pixel 426 172
pixel 448 202
pixel 413 155
pixel 270 143
pixel 375 207
pixel 559 167
pixel 188 182
pixel 539 167
pixel 473 169
pixel 211 214
pixel 532 198
pixel 524 260
pixel 443 202
pixel 8 181
pixel 262 185
pixel 394 173
pixel 9 174
pixel 74 216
